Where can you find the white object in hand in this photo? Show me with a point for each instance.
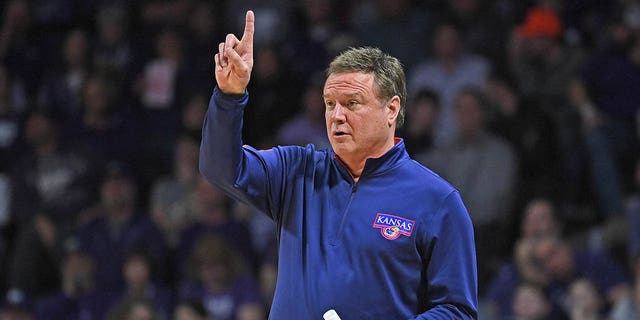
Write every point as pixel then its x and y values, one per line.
pixel 331 315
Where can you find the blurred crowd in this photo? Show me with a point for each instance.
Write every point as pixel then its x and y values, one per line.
pixel 529 108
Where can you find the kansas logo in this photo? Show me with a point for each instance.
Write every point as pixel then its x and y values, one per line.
pixel 391 227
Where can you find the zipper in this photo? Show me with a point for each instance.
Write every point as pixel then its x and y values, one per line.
pixel 343 220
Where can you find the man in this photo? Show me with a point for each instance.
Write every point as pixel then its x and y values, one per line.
pixel 469 163
pixel 562 264
pixel 362 228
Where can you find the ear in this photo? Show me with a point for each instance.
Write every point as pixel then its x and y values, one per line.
pixel 393 109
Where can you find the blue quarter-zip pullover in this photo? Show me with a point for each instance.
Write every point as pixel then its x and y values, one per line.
pixel 398 244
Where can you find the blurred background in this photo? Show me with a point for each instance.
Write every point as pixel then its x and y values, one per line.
pixel 529 108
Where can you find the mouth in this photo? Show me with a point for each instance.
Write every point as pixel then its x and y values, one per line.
pixel 339 134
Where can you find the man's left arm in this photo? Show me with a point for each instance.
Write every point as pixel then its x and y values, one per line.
pixel 452 288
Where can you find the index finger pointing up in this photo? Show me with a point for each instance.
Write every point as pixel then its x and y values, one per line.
pixel 248 27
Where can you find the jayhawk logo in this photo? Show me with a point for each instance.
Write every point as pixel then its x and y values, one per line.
pixel 391 227
pixel 390 232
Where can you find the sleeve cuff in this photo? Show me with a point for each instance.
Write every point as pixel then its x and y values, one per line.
pixel 234 97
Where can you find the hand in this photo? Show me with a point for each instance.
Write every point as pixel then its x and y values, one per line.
pixel 234 60
pixel 577 93
pixel 525 263
pixel 46 230
pixel 579 98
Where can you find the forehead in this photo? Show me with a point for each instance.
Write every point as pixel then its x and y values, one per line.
pixel 348 83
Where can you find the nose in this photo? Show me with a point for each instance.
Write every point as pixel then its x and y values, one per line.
pixel 337 114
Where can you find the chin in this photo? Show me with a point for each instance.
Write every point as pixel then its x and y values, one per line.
pixel 339 149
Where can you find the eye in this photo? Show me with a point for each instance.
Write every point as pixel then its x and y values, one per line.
pixel 329 104
pixel 353 103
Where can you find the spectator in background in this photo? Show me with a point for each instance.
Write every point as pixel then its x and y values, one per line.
pixel 583 21
pixel 276 98
pixel 160 78
pixel 449 70
pixel 542 66
pixel 539 219
pixel 316 23
pixel 263 233
pixel 113 52
pixel 275 23
pixel 531 134
pixel 484 169
pixel 550 262
pixel 138 270
pixel 584 301
pixel 484 26
pixel 34 252
pixel 51 182
pixel 16 305
pixel 103 125
pixel 213 217
pixel 221 281
pixel 21 47
pixel 52 175
pixel 119 228
pixel 170 202
pixel 561 265
pixel 540 62
pixel 76 297
pixel 190 310
pixel 202 26
pixel 607 97
pixel 531 303
pixel 422 115
pixel 193 115
pixel 161 91
pixel 62 87
pixel 308 125
pixel 386 20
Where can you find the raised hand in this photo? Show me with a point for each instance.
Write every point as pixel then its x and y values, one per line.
pixel 234 60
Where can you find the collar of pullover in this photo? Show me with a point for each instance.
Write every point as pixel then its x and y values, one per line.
pixel 374 166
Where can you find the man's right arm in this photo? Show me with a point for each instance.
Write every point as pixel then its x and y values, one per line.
pixel 220 149
pixel 239 171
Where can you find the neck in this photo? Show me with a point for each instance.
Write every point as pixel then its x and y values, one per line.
pixel 355 167
pixel 355 163
pixel 355 174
